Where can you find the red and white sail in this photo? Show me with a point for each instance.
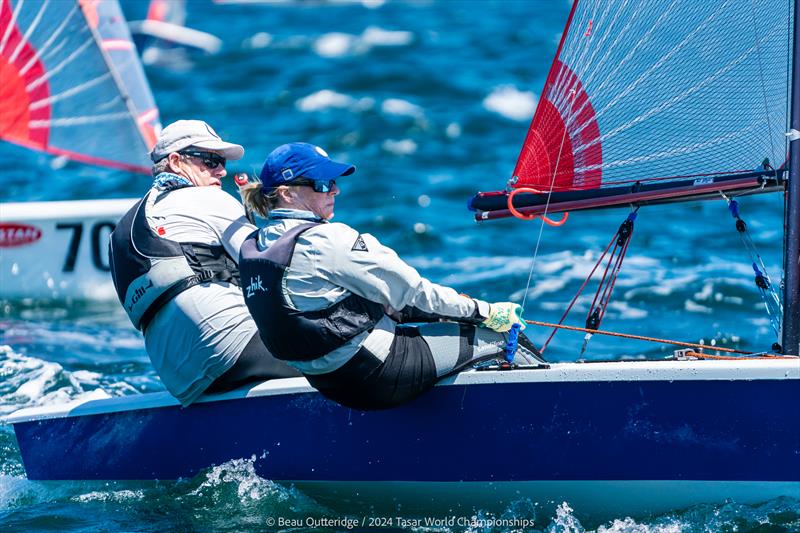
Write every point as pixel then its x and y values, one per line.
pixel 73 84
pixel 658 92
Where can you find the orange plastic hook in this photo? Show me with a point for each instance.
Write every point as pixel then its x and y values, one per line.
pixel 522 216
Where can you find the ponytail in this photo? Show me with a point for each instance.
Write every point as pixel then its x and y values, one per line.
pixel 260 199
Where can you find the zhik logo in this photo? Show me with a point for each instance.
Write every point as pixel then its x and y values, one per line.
pixel 255 286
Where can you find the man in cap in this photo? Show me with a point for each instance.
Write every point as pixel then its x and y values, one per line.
pixel 174 264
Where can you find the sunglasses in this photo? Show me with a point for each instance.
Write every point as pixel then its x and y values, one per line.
pixel 318 186
pixel 209 159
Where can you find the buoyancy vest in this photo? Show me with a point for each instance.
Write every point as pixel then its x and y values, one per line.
pixel 148 271
pixel 291 334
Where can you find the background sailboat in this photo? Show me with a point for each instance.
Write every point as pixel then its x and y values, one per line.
pixel 72 86
pixel 164 40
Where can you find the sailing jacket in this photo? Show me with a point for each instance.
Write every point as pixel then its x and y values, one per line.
pixel 149 270
pixel 326 290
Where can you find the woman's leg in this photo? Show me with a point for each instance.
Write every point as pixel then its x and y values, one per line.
pixel 457 346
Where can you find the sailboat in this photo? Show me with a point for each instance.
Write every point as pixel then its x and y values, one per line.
pixel 72 86
pixel 164 39
pixel 619 437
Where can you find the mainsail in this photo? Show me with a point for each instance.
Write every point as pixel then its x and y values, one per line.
pixel 72 84
pixel 653 101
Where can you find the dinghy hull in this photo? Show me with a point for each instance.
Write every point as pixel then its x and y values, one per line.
pixel 704 431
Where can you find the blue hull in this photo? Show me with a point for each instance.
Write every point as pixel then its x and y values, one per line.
pixel 502 432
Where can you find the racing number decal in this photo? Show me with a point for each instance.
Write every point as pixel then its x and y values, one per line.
pixel 74 244
pixel 99 232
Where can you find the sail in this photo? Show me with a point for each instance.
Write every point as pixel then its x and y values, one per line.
pixel 73 84
pixel 658 95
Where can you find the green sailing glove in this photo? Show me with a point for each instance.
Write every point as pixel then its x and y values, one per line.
pixel 503 315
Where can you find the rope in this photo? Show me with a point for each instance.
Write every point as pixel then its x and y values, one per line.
pixel 729 358
pixel 636 337
pixel 577 295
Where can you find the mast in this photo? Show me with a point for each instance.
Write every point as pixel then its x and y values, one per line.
pixel 791 291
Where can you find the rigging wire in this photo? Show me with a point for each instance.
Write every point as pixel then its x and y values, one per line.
pixel 766 289
pixel 602 297
pixel 543 216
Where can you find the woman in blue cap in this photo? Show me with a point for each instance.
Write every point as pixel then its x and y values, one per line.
pixel 331 301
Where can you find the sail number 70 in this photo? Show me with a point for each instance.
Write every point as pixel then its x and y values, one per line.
pixel 98 229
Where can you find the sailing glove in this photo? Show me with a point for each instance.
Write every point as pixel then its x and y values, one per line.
pixel 503 315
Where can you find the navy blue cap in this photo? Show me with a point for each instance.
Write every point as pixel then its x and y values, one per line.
pixel 300 160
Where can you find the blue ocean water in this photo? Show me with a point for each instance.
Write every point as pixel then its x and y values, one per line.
pixel 431 100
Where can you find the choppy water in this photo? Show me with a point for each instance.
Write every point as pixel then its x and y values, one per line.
pixel 432 102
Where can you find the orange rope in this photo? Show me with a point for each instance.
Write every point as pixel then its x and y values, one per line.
pixel 638 337
pixel 729 358
pixel 546 220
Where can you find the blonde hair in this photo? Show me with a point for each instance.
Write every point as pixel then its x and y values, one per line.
pixel 260 199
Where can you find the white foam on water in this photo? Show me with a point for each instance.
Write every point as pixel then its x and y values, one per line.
pixel 510 102
pixel 453 130
pixel 625 310
pixel 28 382
pixel 400 107
pixel 565 521
pixel 629 525
pixel 375 36
pixel 118 496
pixel 334 44
pixel 337 44
pixel 241 474
pixel 399 147
pixel 372 4
pixel 261 39
pixel 693 307
pixel 326 99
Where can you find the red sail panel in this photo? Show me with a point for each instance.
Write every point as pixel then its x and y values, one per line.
pixel 17 91
pixel 547 158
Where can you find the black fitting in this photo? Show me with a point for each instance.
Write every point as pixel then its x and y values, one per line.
pixel 625 230
pixel 593 322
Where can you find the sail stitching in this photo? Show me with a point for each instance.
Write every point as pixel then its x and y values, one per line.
pixel 667 104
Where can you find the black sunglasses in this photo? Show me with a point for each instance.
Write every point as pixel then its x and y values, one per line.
pixel 318 186
pixel 209 159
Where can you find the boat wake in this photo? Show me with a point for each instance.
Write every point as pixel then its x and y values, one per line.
pixel 31 382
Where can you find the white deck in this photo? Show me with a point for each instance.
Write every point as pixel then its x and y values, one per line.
pixel 704 370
